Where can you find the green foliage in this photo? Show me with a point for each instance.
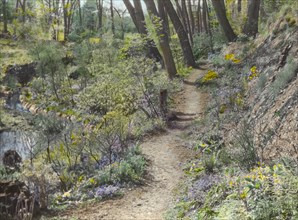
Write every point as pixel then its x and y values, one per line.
pixel 262 82
pixel 288 73
pixel 247 155
pixel 202 46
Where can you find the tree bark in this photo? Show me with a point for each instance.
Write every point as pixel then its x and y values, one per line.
pixel 191 18
pixel 219 7
pixel 80 13
pixel 138 18
pixel 181 16
pixel 186 16
pixel 4 11
pixel 251 26
pixel 239 6
pixel 112 17
pixel 205 16
pixel 163 39
pixel 99 14
pixel 132 13
pixel 199 17
pixel 185 45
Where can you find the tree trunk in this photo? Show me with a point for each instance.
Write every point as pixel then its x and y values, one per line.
pixel 24 11
pixel 112 17
pixel 132 13
pixel 191 18
pixel 99 14
pixel 181 16
pixel 185 15
pixel 163 39
pixel 80 13
pixel 199 17
pixel 251 26
pixel 239 6
pixel 4 11
pixel 138 18
pixel 219 7
pixel 205 16
pixel 185 45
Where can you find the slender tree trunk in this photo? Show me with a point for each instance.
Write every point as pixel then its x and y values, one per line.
pixel 4 11
pixel 239 6
pixel 112 16
pixel 65 19
pixel 24 11
pixel 138 18
pixel 163 39
pixel 199 17
pixel 251 26
pixel 205 12
pixel 219 7
pixel 181 15
pixel 184 42
pixel 185 15
pixel 80 13
pixel 132 13
pixel 99 14
pixel 191 17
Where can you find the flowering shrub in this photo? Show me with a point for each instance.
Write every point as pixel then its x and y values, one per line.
pixel 209 76
pixel 253 73
pixel 232 58
pixel 264 193
pixel 106 191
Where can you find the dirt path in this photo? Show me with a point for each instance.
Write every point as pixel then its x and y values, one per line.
pixel 166 152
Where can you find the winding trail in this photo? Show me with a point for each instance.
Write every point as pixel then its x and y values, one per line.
pixel 165 152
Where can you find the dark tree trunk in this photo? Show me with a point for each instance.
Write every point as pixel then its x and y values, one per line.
pixel 112 17
pixel 138 18
pixel 4 11
pixel 239 5
pixel 181 16
pixel 191 18
pixel 205 16
pixel 219 7
pixel 199 17
pixel 251 25
pixel 163 39
pixel 185 15
pixel 80 13
pixel 185 45
pixel 132 13
pixel 99 14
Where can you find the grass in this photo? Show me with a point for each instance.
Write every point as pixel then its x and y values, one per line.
pixel 262 82
pixel 288 73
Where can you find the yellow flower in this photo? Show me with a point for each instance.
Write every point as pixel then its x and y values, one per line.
pixel 211 74
pixel 229 56
pixel 66 194
pixel 236 60
pixel 253 69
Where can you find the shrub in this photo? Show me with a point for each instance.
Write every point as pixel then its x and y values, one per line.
pixel 209 76
pixel 247 154
pixel 285 76
pixel 201 45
